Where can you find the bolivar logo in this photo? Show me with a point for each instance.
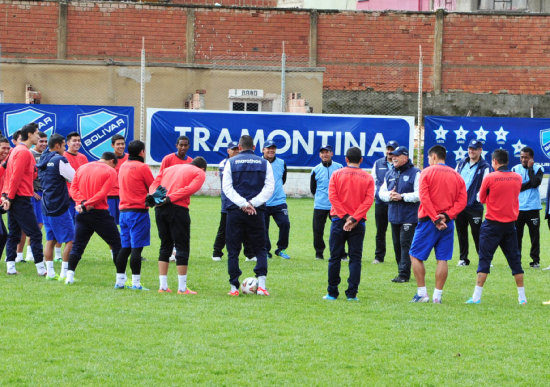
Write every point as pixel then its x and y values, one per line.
pixel 15 120
pixel 545 142
pixel 97 128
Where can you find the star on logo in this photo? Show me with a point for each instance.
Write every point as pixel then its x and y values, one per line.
pixel 440 133
pixel 461 133
pixel 481 133
pixel 484 153
pixel 501 134
pixel 460 153
pixel 518 146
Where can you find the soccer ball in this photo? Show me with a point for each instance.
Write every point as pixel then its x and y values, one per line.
pixel 249 285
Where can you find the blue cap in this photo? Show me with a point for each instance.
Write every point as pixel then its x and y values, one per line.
pixel 400 150
pixel 233 145
pixel 325 147
pixel 392 144
pixel 475 144
pixel 269 144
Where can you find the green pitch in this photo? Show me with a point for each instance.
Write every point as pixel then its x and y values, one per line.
pixel 91 334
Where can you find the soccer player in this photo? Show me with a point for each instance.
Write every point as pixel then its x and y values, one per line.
pixel 351 192
pixel 529 202
pixel 118 143
pixel 473 169
pixel 54 171
pixel 248 183
pixel 500 191
pixel 442 197
pixel 16 139
pixel 379 170
pixel 401 190
pixel 89 189
pixel 219 243
pixel 180 157
pixel 16 199
pixel 172 216
pixel 318 185
pixel 4 151
pixel 276 206
pixel 76 160
pixel 134 179
pixel 37 196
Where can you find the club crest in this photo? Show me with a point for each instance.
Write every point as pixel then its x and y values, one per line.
pixel 97 128
pixel 15 120
pixel 545 142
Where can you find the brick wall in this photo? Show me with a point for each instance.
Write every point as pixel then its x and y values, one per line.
pixel 360 50
pixel 28 29
pixel 228 3
pixel 244 35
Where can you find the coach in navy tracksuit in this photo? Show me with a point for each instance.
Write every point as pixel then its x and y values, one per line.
pixel 473 169
pixel 248 183
pixel 400 191
pixel 379 170
pixel 219 243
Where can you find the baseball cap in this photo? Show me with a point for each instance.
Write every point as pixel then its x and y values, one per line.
pixel 233 145
pixel 400 150
pixel 392 144
pixel 269 144
pixel 475 144
pixel 325 147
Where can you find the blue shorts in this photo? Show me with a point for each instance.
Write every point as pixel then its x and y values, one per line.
pixel 113 207
pixel 135 229
pixel 427 236
pixel 37 205
pixel 72 210
pixel 59 228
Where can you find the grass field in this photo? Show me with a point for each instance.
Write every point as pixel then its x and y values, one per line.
pixel 91 334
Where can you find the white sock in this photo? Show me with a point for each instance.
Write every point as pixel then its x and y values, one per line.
pixel 120 279
pixel 163 279
pixel 136 279
pixel 261 281
pixel 182 282
pixel 50 269
pixel 233 288
pixel 111 254
pixel 477 293
pixel 29 253
pixel 70 277
pixel 57 252
pixel 64 268
pixel 10 265
pixel 19 257
pixel 521 293
pixel 40 269
pixel 437 294
pixel 422 291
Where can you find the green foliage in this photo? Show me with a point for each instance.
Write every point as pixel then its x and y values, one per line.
pixel 91 334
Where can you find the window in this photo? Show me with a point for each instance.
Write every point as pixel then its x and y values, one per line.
pixel 240 106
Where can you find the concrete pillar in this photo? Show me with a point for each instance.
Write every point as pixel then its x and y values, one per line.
pixel 313 18
pixel 190 36
pixel 62 30
pixel 438 49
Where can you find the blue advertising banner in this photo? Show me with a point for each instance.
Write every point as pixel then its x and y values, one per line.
pixel 96 124
pixel 298 137
pixel 511 134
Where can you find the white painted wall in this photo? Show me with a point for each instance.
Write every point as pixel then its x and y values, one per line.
pixel 318 4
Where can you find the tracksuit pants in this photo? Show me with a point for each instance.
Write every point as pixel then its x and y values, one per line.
pixel 532 220
pixel 319 220
pixel 492 235
pixel 402 236
pixel 472 218
pixel 99 221
pixel 337 241
pixel 381 219
pixel 241 226
pixel 174 227
pixel 280 215
pixel 219 243
pixel 21 216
